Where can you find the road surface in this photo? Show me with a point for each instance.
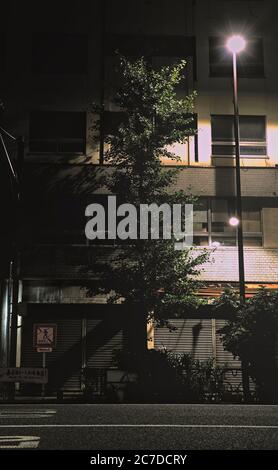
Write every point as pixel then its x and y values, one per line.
pixel 135 427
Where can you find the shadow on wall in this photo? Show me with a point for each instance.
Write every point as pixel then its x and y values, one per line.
pixel 196 330
pixel 55 198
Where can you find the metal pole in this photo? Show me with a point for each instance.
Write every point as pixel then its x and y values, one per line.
pixel 15 264
pixel 102 81
pixel 4 331
pixel 15 272
pixel 245 376
pixel 4 323
pixel 238 186
pixel 43 365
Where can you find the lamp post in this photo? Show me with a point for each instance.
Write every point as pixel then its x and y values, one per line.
pixel 236 44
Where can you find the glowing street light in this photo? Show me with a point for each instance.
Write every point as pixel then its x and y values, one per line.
pixel 236 44
pixel 234 221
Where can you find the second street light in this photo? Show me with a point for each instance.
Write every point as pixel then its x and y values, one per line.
pixel 235 45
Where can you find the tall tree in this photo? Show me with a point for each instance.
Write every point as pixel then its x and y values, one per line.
pixel 151 273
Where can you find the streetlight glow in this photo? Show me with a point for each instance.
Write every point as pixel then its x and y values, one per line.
pixel 236 44
pixel 234 221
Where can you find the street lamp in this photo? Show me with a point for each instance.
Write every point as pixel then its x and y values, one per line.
pixel 235 45
pixel 234 221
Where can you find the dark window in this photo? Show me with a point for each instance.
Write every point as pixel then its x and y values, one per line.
pixel 149 46
pixel 59 53
pixel 252 135
pixel 250 61
pixel 57 219
pixel 200 217
pixel 212 227
pixel 57 131
pixel 157 50
pixel 251 214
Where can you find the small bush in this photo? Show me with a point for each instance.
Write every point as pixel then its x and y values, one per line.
pixel 164 376
pixel 251 334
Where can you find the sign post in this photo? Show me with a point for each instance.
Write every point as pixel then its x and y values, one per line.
pixel 44 337
pixel 43 366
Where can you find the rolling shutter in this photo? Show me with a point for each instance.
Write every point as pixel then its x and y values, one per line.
pixel 103 337
pixel 192 336
pixel 64 363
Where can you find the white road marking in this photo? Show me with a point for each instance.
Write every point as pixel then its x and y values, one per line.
pixel 19 442
pixel 27 413
pixel 209 426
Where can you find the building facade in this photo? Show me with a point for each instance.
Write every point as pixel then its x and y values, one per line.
pixel 55 64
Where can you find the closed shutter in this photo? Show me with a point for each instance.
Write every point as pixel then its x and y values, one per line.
pixel 104 336
pixel 64 363
pixel 192 336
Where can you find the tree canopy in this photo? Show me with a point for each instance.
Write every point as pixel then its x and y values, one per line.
pixel 151 272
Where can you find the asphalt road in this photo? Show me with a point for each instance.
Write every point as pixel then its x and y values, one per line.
pixel 135 427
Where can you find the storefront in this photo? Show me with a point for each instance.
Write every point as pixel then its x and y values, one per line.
pixel 87 338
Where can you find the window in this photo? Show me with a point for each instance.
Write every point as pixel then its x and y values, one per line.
pixel 113 119
pixel 59 53
pixel 211 222
pixel 250 61
pixel 59 218
pixel 149 46
pixel 57 131
pixel 158 50
pixel 252 135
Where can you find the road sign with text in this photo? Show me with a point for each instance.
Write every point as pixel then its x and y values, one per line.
pixel 37 375
pixel 45 335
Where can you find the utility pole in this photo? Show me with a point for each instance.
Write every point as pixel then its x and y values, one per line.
pixel 16 260
pixel 9 287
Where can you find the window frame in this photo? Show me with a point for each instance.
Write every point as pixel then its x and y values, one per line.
pixel 59 140
pixel 39 66
pixel 210 235
pixel 244 144
pixel 105 125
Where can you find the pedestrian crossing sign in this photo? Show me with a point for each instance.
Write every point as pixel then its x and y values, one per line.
pixel 45 336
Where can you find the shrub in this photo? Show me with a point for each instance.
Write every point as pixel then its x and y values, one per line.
pixel 164 376
pixel 251 335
